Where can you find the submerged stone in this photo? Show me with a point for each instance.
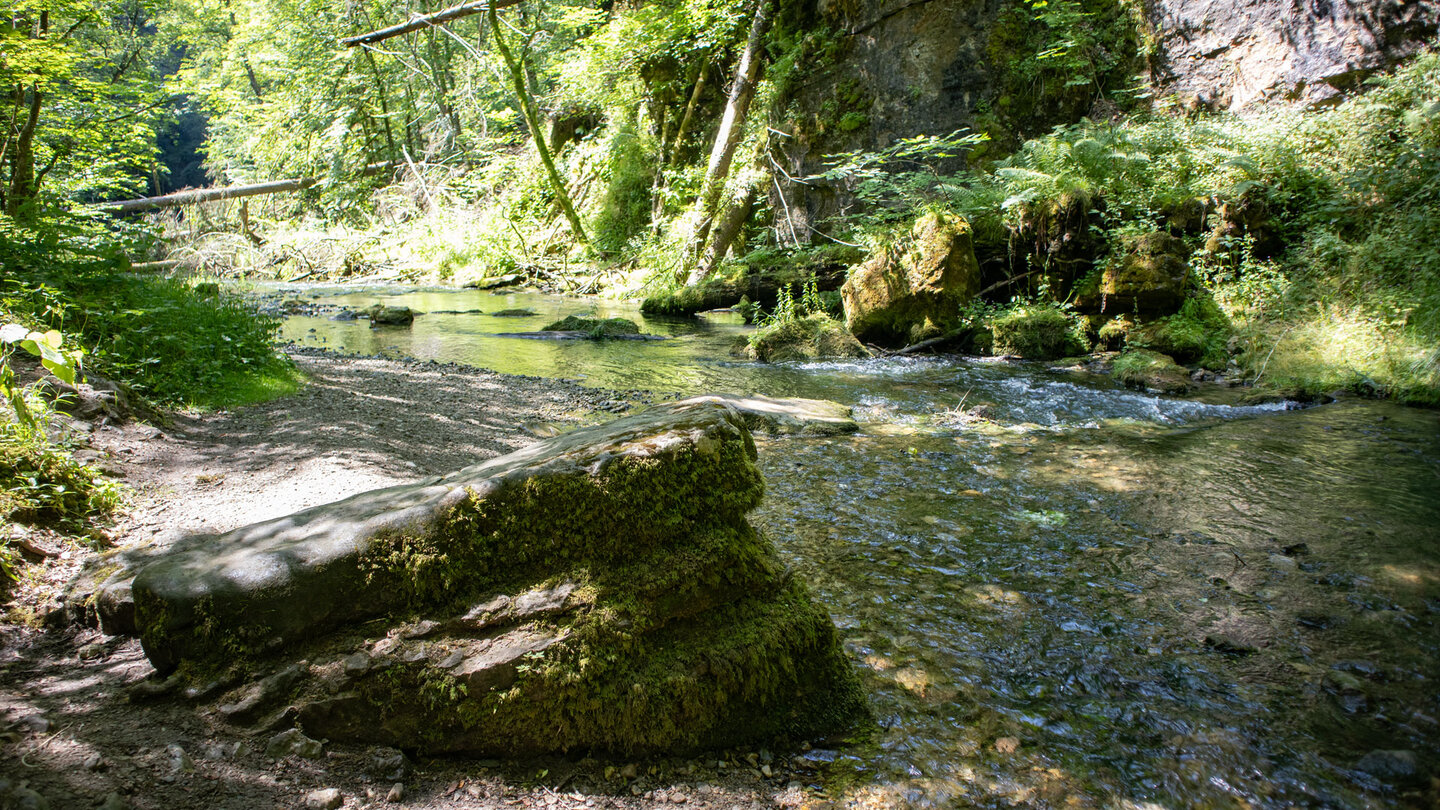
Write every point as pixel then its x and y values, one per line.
pixel 598 590
pixel 594 327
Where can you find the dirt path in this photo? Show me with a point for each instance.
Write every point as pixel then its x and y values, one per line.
pixel 69 729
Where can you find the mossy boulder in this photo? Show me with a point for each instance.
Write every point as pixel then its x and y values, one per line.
pixel 1035 334
pixel 914 289
pixel 594 327
pixel 381 315
pixel 1198 333
pixel 810 338
pixel 1152 371
pixel 1150 279
pixel 601 590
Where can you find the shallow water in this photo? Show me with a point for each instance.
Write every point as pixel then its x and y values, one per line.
pixel 1102 598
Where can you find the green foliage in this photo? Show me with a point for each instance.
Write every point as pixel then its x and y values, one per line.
pixel 173 345
pixel 1055 58
pixel 1198 333
pixel 1036 333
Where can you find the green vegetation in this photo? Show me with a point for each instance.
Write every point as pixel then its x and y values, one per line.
pixel 1043 333
pixel 596 328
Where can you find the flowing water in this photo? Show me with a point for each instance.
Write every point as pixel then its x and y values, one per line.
pixel 1100 598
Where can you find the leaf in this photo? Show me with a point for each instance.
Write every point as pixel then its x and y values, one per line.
pixel 13 333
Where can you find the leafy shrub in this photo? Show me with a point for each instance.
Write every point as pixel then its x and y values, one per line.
pixel 1035 334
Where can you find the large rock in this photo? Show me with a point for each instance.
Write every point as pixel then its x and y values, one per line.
pixel 1150 279
pixel 914 290
pixel 599 590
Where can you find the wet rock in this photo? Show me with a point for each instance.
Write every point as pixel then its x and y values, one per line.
pixel 381 315
pixel 514 313
pixel 593 549
pixel 913 291
pixel 1390 766
pixel 1231 644
pixel 810 417
pixel 810 338
pixel 326 799
pixel 293 742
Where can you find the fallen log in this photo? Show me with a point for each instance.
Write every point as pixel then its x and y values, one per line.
pixel 428 20
pixel 203 195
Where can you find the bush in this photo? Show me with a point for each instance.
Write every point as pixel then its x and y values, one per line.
pixel 1198 333
pixel 1035 334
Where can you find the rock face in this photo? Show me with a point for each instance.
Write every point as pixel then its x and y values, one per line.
pixel 599 590
pixel 1149 280
pixel 914 290
pixel 1232 54
pixel 809 417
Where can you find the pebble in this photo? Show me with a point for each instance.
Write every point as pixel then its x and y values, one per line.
pixel 766 772
pixel 91 651
pixel 1007 745
pixel 396 794
pixel 327 799
pixel 629 771
pixel 35 723
pixel 94 761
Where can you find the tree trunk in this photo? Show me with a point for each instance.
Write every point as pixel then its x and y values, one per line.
pixel 201 195
pixel 732 127
pixel 428 20
pixel 532 120
pixel 724 233
pixel 23 185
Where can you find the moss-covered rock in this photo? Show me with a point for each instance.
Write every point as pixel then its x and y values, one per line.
pixel 381 315
pixel 601 590
pixel 809 338
pixel 914 289
pixel 594 327
pixel 1150 279
pixel 1142 368
pixel 1198 333
pixel 1035 334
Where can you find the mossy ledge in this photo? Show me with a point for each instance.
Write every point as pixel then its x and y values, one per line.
pixel 601 590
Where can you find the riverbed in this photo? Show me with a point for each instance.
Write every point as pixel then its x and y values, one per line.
pixel 1091 597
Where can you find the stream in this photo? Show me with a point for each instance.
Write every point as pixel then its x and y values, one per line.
pixel 1101 598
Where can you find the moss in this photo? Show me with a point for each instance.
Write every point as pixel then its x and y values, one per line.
pixel 597 327
pixel 1198 333
pixel 614 514
pixel 1141 368
pixel 807 338
pixel 724 676
pixel 1040 334
pixel 1113 333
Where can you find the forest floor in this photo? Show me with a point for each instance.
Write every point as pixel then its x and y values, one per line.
pixel 68 728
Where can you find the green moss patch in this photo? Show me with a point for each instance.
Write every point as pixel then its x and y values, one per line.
pixel 595 327
pixel 1039 334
